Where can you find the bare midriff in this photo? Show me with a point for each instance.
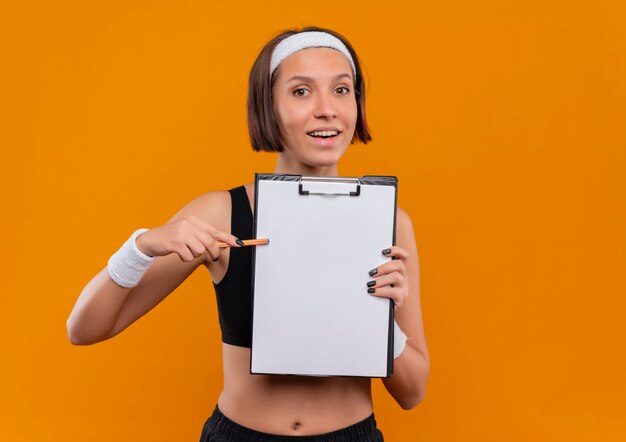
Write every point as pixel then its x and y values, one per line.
pixel 290 405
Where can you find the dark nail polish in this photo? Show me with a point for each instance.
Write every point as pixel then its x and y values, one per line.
pixel 386 251
pixel 371 283
pixel 239 242
pixel 371 290
pixel 373 272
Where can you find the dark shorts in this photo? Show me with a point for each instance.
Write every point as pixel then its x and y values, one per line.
pixel 218 428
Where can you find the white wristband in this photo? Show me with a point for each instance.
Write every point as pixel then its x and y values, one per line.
pixel 128 264
pixel 399 340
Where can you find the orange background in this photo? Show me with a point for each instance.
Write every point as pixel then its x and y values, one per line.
pixel 504 121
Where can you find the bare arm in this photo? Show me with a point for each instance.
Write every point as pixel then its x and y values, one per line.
pixel 104 308
pixel 407 385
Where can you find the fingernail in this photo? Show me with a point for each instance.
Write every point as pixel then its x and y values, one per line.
pixel 386 251
pixel 371 290
pixel 373 272
pixel 371 283
pixel 239 242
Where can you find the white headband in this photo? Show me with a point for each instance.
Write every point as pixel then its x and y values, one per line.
pixel 304 40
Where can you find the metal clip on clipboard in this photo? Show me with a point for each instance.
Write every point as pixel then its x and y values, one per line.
pixel 329 186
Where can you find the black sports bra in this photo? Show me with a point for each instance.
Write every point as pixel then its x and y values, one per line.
pixel 234 291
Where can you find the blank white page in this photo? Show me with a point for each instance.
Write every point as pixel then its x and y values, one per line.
pixel 312 314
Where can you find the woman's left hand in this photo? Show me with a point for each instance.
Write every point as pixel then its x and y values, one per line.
pixel 390 279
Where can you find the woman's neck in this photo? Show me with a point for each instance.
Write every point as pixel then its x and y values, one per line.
pixel 287 166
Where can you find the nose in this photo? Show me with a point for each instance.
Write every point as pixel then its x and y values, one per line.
pixel 325 107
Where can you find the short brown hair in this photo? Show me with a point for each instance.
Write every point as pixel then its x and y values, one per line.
pixel 262 125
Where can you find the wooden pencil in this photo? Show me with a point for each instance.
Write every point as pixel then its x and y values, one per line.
pixel 246 242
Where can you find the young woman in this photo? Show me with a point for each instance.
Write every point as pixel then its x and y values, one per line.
pixel 306 102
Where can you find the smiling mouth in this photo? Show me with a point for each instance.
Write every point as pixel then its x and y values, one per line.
pixel 323 133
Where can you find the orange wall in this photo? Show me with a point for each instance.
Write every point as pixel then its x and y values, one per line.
pixel 504 122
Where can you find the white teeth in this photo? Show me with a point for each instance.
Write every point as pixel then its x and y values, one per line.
pixel 324 133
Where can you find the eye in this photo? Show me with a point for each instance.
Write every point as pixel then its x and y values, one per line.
pixel 300 92
pixel 342 90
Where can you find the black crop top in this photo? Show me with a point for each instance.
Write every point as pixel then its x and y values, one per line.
pixel 234 291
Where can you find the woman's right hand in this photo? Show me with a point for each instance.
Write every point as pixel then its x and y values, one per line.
pixel 189 237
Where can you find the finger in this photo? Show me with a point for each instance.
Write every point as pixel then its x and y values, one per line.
pixel 229 239
pixel 396 252
pixel 395 278
pixel 210 245
pixel 393 293
pixel 196 247
pixel 210 238
pixel 396 265
pixel 183 253
pixel 214 233
pixel 214 252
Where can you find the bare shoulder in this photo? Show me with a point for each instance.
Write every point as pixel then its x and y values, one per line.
pixel 405 235
pixel 403 218
pixel 404 224
pixel 213 207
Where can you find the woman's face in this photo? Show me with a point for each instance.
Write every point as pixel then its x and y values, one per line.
pixel 315 106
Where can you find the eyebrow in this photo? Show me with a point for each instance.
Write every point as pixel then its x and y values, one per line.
pixel 312 80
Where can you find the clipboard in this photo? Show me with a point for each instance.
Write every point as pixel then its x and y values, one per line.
pixel 311 313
